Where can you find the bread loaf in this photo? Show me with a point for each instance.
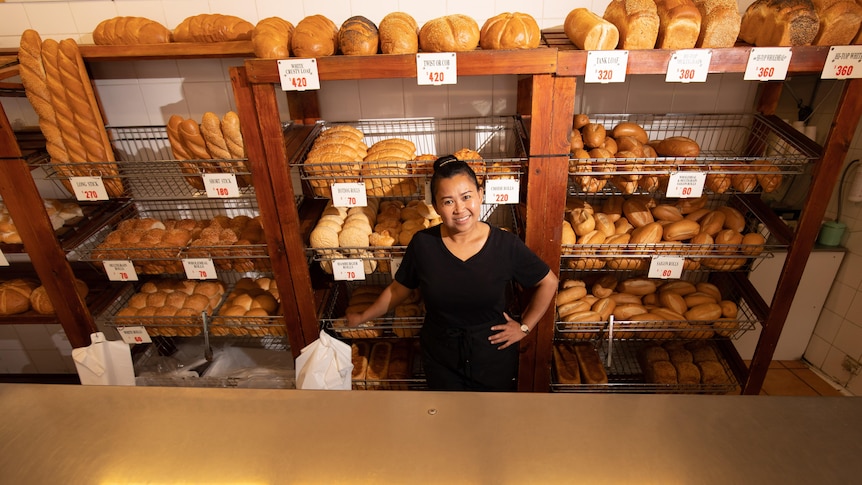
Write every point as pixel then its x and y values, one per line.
pixel 64 115
pixel 720 22
pixel 450 33
pixel 271 38
pixel 213 28
pixel 130 31
pixel 637 22
pixel 180 152
pixel 592 369
pixel 566 364
pixel 15 296
pixel 40 302
pixel 314 36
pixel 510 30
pixel 679 24
pixel 213 137
pixel 773 23
pixel 589 32
pixel 677 146
pixel 399 34
pixel 358 36
pixel 233 135
pixel 378 362
pixel 359 357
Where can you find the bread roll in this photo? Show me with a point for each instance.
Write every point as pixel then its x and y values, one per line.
pixel 213 28
pixel 314 36
pixel 720 22
pixel 679 24
pixel 450 33
pixel 399 34
pixel 677 146
pixel 130 31
pixel 15 296
pixel 773 23
pixel 590 32
pixel 637 22
pixel 358 36
pixel 510 30
pixel 271 38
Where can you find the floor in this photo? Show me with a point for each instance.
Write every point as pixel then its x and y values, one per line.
pixel 795 378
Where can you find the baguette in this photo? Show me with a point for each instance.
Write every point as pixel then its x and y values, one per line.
pixel 592 369
pixel 64 116
pixel 566 365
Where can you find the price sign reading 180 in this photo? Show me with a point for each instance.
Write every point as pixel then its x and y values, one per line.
pixel 767 64
pixel 298 74
pixel 843 62
pixel 436 68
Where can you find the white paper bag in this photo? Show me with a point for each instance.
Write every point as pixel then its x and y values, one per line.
pixel 325 363
pixel 105 362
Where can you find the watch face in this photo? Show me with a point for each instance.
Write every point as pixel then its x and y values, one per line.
pixel 525 328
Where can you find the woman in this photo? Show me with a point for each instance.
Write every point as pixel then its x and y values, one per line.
pixel 463 267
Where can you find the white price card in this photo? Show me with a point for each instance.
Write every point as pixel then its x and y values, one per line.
pixel 685 184
pixel 502 191
pixel 843 62
pixel 666 267
pixel 221 185
pixel 199 268
pixel 688 66
pixel 436 68
pixel 348 269
pixel 767 64
pixel 606 66
pixel 120 270
pixel 429 198
pixel 89 188
pixel 3 260
pixel 350 194
pixel 394 264
pixel 298 74
pixel 134 335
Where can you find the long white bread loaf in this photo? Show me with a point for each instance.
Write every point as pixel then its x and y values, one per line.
pixel 64 116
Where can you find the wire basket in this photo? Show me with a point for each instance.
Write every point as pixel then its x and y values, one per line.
pixel 499 141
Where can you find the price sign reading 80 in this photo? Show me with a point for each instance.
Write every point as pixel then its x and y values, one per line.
pixel 298 74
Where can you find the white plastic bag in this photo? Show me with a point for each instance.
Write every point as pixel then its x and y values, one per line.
pixel 325 363
pixel 104 362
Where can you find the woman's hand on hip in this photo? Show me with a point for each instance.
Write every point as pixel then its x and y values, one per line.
pixel 508 333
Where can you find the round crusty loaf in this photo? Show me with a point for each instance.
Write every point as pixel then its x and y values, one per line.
pixel 213 28
pixel 271 38
pixel 510 30
pixel 130 31
pixel 40 302
pixel 314 36
pixel 450 33
pixel 15 296
pixel 358 36
pixel 399 34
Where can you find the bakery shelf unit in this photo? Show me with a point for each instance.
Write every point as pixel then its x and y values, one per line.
pixel 828 162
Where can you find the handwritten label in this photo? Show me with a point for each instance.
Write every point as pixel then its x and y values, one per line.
pixel 298 74
pixel 199 268
pixel 767 64
pixel 503 191
pixel 606 66
pixel 688 66
pixel 3 260
pixel 349 195
pixel 120 270
pixel 134 335
pixel 436 68
pixel 666 267
pixel 685 184
pixel 89 188
pixel 221 185
pixel 843 62
pixel 348 270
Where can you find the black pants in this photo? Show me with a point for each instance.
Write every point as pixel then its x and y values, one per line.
pixel 462 359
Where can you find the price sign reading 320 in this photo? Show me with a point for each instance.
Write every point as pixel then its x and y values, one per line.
pixel 606 66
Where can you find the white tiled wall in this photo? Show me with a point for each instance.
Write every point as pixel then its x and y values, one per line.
pixel 148 92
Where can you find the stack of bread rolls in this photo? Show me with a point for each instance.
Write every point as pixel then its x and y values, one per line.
pixel 682 363
pixel 61 213
pixel 15 295
pixel 227 240
pixel 153 245
pixel 360 299
pixel 578 363
pixel 385 168
pixel 171 307
pixel 335 157
pixel 56 83
pixel 381 364
pixel 645 308
pixel 248 309
pixel 214 145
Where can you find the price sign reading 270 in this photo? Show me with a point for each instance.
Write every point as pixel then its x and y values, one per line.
pixel 298 74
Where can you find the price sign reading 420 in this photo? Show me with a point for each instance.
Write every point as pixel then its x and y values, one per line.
pixel 221 185
pixel 606 66
pixel 767 64
pixel 436 68
pixel 843 62
pixel 298 74
pixel 89 188
pixel 199 268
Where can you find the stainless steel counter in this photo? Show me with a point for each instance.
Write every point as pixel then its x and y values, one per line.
pixel 79 434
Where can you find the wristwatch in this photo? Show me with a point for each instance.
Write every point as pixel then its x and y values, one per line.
pixel 525 328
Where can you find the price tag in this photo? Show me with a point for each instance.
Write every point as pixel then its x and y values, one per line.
pixel 221 185
pixel 606 66
pixel 688 66
pixel 394 264
pixel 767 64
pixel 502 191
pixel 3 260
pixel 134 335
pixel 199 268
pixel 89 188
pixel 843 62
pixel 429 197
pixel 298 74
pixel 348 270
pixel 349 195
pixel 685 184
pixel 666 267
pixel 436 68
pixel 120 270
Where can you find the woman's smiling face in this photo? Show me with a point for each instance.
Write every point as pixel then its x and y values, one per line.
pixel 459 202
